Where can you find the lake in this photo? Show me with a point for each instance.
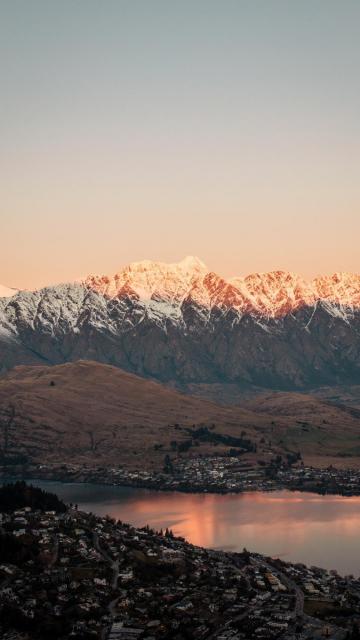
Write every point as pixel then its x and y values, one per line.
pixel 298 527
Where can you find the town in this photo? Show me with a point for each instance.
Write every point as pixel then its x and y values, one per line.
pixel 215 474
pixel 70 574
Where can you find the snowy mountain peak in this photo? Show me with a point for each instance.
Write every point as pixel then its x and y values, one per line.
pixel 276 292
pixel 342 288
pixel 7 292
pixel 183 322
pixel 270 294
pixel 151 280
pixel 162 289
pixel 192 263
pixel 189 264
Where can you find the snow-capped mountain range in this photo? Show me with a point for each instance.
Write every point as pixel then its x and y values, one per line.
pixel 184 323
pixel 271 295
pixel 164 287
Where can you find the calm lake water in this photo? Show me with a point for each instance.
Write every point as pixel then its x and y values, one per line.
pixel 299 527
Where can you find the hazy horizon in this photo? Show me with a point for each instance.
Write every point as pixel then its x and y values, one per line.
pixel 137 130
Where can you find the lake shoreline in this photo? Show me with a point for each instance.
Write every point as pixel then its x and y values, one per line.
pixel 300 527
pixel 160 482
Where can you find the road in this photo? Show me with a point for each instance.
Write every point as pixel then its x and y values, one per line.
pixel 299 596
pixel 114 564
pixel 290 584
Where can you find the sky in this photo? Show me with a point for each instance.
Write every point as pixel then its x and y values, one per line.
pixel 155 129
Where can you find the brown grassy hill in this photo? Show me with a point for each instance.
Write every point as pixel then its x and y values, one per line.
pixel 93 413
pixel 315 426
pixel 86 412
pixel 340 395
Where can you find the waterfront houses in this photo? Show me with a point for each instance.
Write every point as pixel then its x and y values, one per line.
pixel 75 575
pixel 214 474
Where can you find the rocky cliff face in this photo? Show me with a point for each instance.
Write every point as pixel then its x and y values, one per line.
pixel 185 324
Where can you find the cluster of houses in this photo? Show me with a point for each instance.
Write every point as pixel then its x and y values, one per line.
pixel 216 474
pixel 75 575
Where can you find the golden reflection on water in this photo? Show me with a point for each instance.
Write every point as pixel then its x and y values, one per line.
pixel 322 530
pixel 205 518
pixel 301 527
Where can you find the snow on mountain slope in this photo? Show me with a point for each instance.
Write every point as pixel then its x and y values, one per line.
pixel 162 292
pixel 184 323
pixel 276 293
pixel 159 287
pixel 164 287
pixel 151 280
pixel 7 292
pixel 340 288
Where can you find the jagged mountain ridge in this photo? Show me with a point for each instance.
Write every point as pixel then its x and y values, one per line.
pixel 182 323
pixel 272 294
pixel 7 292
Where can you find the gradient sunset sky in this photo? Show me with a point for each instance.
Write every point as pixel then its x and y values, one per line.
pixel 154 129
